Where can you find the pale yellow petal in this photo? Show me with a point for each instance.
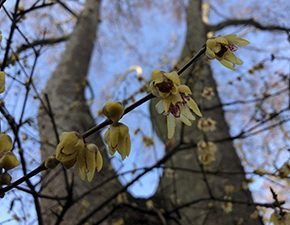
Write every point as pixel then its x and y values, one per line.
pixel 232 38
pixel 159 107
pixel 184 89
pixel 128 146
pixel 156 76
pixel 63 158
pixel 81 164
pixel 229 56
pixel 209 53
pixel 9 161
pixel 211 43
pixel 166 104
pixel 173 76
pixel 114 136
pixel 170 126
pixel 185 120
pixel 187 113
pixel 221 40
pixel 227 64
pixel 90 161
pixel 194 107
pixel 71 142
pixel 5 143
pixel 99 161
pixel 122 148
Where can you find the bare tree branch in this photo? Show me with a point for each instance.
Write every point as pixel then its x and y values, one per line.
pixel 247 22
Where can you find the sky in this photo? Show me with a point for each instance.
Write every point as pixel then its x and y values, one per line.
pixel 154 33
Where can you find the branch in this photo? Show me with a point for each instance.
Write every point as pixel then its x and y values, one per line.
pixel 250 22
pixel 47 41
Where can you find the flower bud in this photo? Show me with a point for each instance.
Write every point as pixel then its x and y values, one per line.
pixel 5 179
pixel 113 111
pixel 8 161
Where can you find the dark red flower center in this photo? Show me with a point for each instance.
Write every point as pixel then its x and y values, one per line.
pixel 165 86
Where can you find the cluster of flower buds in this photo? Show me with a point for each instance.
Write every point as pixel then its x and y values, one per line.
pixel 8 160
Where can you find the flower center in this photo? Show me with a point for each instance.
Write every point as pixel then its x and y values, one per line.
pixel 222 51
pixel 165 86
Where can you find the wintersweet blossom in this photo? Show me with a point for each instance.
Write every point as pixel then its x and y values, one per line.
pixel 208 93
pixel 8 160
pixel 206 152
pixel 71 143
pixel 227 206
pixel 118 139
pixel 175 99
pixel 222 48
pixel 88 161
pixel 206 124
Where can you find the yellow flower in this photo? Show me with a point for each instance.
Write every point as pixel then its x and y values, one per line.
pixel 208 93
pixel 5 179
pixel 117 137
pixel 178 106
pixel 2 81
pixel 227 206
pixel 88 160
pixel 278 219
pixel 222 49
pixel 8 160
pixel 206 124
pixel 113 111
pixel 71 143
pixel 206 152
pixel 164 84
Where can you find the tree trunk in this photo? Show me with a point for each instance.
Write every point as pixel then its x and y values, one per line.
pixel 65 90
pixel 185 187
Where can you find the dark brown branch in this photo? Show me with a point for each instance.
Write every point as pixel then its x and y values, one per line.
pixel 247 22
pixel 47 41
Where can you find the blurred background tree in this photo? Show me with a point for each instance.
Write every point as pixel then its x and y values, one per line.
pixel 99 51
